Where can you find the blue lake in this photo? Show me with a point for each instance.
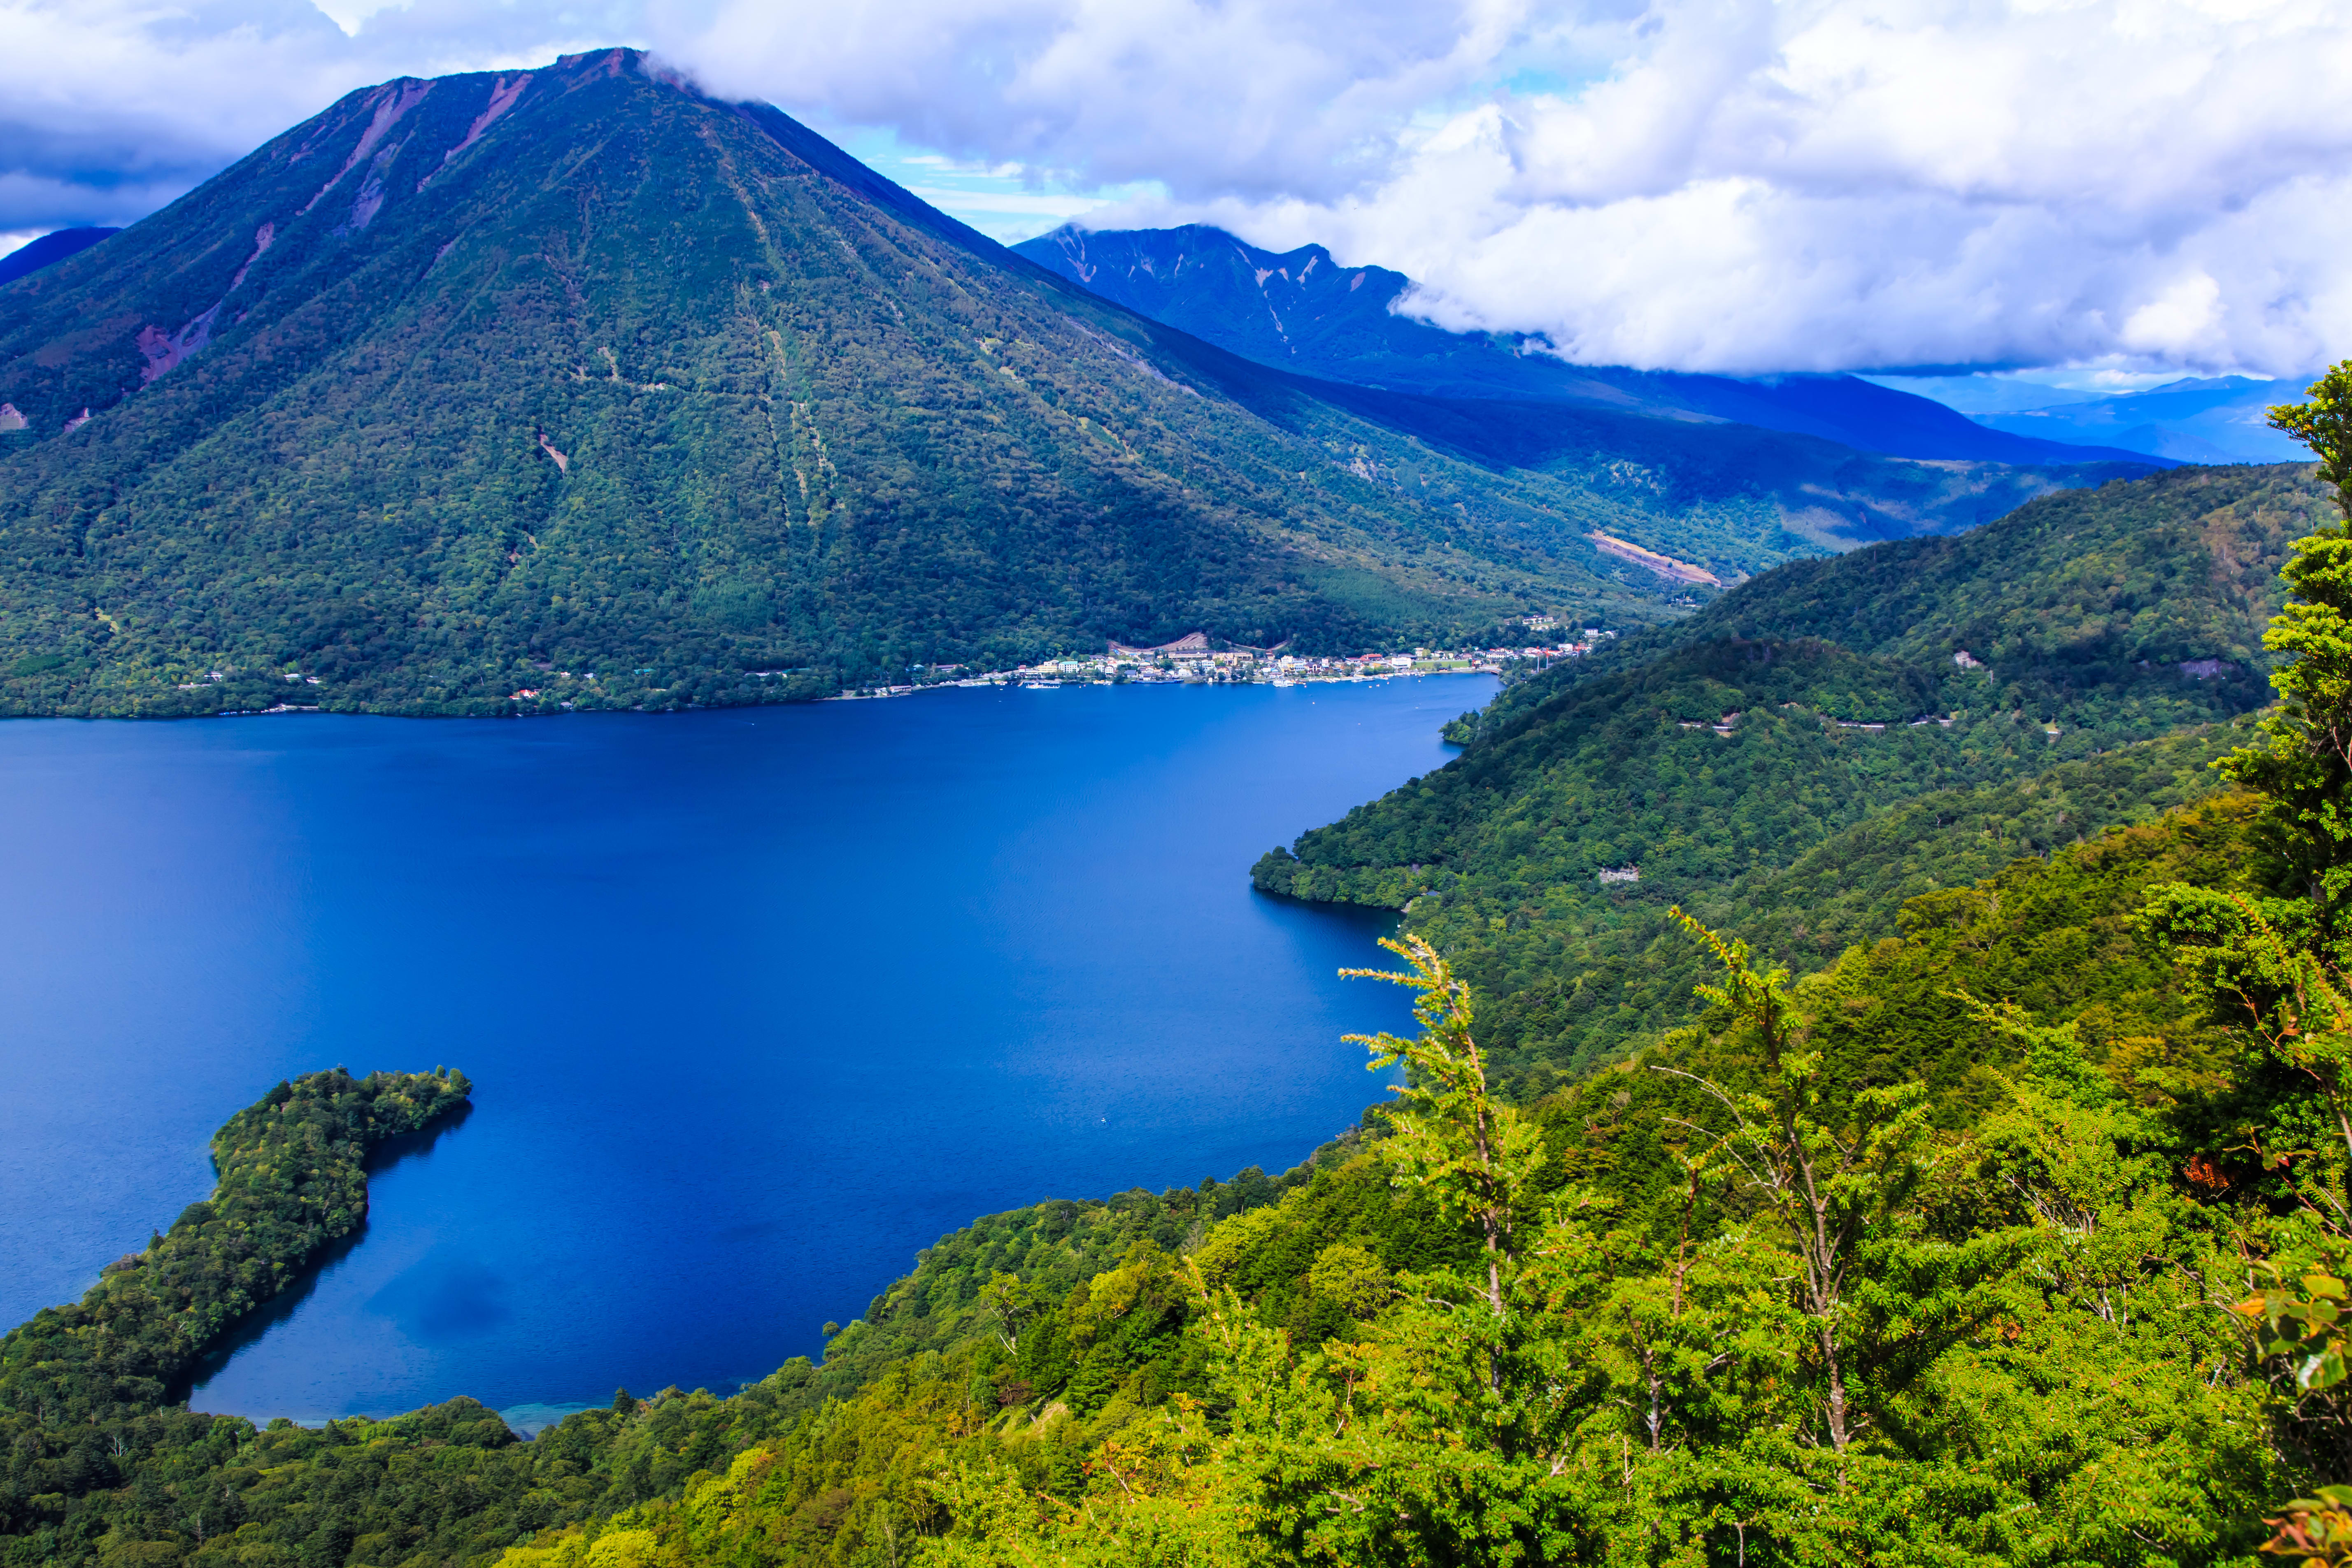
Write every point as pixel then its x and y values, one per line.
pixel 757 1003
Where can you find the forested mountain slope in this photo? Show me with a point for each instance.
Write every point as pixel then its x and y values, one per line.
pixel 1301 311
pixel 471 378
pixel 1720 758
pixel 2013 1237
pixel 1734 498
pixel 2075 590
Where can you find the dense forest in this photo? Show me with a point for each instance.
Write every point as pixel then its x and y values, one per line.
pixel 2013 1232
pixel 2016 1234
pixel 2075 591
pixel 504 392
pixel 1810 747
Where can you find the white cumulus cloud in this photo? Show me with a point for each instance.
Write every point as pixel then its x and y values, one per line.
pixel 1756 186
pixel 1743 186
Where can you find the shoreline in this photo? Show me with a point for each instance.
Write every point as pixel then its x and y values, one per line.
pixel 886 694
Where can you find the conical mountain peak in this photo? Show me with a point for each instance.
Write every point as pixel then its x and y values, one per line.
pixel 578 367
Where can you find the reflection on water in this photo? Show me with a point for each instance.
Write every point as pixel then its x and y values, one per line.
pixel 451 1294
pixel 383 1158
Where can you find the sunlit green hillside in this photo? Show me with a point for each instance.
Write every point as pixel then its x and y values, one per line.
pixel 1723 756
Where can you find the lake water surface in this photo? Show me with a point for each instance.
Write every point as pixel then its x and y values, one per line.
pixel 756 1002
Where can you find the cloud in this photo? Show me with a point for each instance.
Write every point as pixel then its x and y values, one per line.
pixel 1744 185
pixel 1828 185
pixel 1257 98
pixel 111 108
pixel 1723 185
pixel 1832 185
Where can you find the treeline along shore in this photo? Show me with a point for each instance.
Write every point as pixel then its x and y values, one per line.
pixel 1935 1152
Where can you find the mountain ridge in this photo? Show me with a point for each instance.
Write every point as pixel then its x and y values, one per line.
pixel 54 247
pixel 1302 310
pixel 1714 756
pixel 2209 419
pixel 472 376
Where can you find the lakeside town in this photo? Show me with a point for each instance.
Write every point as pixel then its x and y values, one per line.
pixel 1195 659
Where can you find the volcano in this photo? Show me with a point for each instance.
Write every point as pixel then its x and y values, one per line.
pixel 471 378
pixel 469 382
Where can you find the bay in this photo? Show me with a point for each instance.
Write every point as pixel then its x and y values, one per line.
pixel 756 1003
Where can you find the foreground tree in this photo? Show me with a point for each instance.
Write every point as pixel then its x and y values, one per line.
pixel 2304 770
pixel 2273 969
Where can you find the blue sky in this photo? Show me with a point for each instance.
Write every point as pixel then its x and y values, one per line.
pixel 1003 201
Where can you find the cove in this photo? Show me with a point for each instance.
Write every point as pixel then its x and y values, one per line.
pixel 756 1003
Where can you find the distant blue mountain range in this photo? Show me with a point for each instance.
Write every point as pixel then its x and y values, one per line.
pixel 1301 311
pixel 26 260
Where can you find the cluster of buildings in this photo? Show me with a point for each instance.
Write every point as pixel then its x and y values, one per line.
pixel 1194 659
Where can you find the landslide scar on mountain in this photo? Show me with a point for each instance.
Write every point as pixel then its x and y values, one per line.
pixel 263 239
pixel 503 95
pixel 1666 566
pixel 164 351
pixel 391 100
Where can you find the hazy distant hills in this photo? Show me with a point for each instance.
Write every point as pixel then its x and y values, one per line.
pixel 1301 311
pixel 470 380
pixel 2217 420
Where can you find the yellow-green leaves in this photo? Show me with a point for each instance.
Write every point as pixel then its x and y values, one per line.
pixel 2305 767
pixel 2316 1531
pixel 2324 424
pixel 2307 1328
pixel 1452 1137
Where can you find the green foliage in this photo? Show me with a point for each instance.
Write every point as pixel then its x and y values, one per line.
pixel 2324 424
pixel 2305 768
pixel 1828 1163
pixel 1720 758
pixel 84 1388
pixel 809 431
pixel 2070 596
pixel 1448 1134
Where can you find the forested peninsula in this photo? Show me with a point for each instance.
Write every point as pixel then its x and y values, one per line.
pixel 1957 1174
